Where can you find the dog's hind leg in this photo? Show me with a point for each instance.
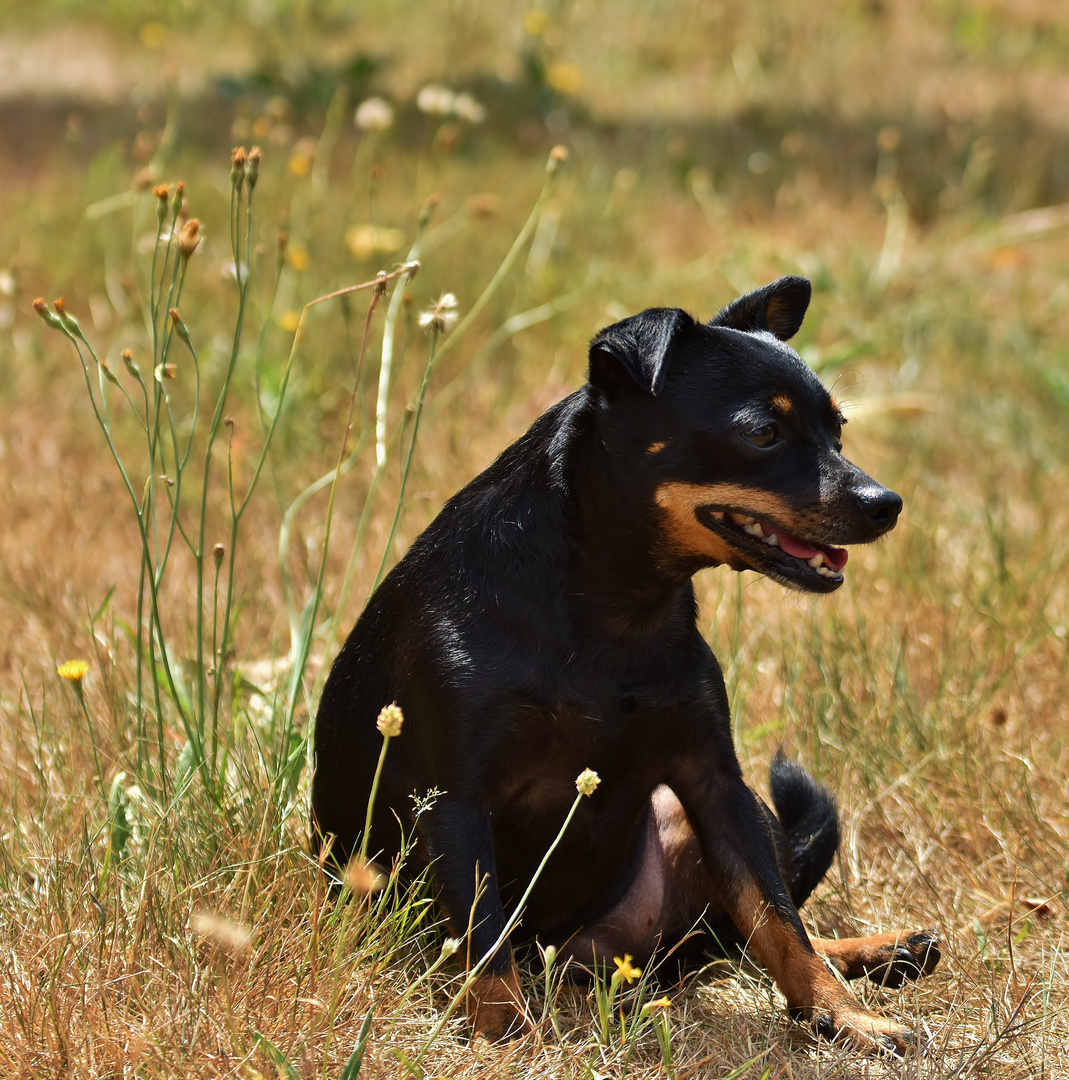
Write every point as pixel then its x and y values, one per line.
pixel 887 959
pixel 739 850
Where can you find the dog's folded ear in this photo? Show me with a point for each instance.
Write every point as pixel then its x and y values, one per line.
pixel 778 308
pixel 633 354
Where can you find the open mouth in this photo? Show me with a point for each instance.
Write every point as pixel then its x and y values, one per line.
pixel 780 554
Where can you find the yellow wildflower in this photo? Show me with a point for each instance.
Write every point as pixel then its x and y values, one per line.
pixel 535 22
pixel 625 969
pixel 153 35
pixel 73 670
pixel 564 78
pixel 290 321
pixel 367 240
pixel 300 165
pixel 297 257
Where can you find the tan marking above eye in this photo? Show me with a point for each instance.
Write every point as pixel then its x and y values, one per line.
pixel 781 404
pixel 655 447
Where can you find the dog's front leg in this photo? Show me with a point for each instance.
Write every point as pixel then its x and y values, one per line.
pixel 461 843
pixel 738 847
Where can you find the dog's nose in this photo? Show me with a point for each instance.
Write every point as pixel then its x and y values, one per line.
pixel 880 505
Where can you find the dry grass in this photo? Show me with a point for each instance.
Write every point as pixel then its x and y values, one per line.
pixel 929 692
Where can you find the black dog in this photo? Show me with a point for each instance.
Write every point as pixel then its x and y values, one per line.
pixel 545 623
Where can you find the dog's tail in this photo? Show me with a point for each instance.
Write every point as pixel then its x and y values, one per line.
pixel 810 819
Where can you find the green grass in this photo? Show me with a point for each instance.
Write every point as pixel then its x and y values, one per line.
pixel 159 915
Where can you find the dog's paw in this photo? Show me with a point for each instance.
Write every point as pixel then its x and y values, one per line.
pixel 887 959
pixel 862 1029
pixel 496 1008
pixel 904 958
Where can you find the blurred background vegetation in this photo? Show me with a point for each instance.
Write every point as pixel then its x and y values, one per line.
pixel 911 158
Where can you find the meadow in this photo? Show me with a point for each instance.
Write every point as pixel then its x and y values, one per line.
pixel 197 505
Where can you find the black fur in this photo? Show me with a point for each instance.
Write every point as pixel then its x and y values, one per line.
pixel 545 622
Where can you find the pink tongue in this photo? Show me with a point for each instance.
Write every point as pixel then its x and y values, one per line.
pixel 834 557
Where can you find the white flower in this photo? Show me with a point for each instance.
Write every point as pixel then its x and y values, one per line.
pixel 436 99
pixel 374 114
pixel 442 316
pixel 467 108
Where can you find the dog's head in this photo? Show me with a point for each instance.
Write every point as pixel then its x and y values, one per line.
pixel 734 441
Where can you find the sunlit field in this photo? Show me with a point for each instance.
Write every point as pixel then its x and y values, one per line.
pixel 197 505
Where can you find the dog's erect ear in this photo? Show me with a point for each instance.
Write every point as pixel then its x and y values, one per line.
pixel 633 354
pixel 778 308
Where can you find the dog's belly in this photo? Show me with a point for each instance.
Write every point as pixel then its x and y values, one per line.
pixel 600 849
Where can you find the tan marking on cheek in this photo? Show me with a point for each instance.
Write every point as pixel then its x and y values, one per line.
pixel 655 447
pixel 684 533
pixel 782 404
pixel 745 500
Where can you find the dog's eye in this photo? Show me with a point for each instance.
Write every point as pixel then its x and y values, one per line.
pixel 761 437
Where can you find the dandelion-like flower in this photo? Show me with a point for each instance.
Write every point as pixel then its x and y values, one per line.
pixel 450 946
pixel 390 721
pixel 237 167
pixel 73 671
pixel 587 781
pixel 436 100
pixel 468 108
pixel 189 238
pixel 442 316
pixel 625 969
pixel 252 166
pixel 374 114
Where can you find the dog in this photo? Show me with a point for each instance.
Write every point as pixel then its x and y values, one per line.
pixel 545 622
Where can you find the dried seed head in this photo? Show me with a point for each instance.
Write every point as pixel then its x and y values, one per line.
pixel 189 238
pixel 67 322
pixel 390 721
pixel 237 167
pixel 176 199
pixel 128 361
pixel 179 325
pixel 217 555
pixel 49 318
pixel 450 946
pixel 252 166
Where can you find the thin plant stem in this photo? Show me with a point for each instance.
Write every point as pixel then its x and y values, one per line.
pixel 477 969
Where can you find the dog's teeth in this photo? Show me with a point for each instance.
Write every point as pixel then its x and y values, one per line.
pixel 826 571
pixel 817 561
pixel 754 528
pixel 772 540
pixel 742 519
